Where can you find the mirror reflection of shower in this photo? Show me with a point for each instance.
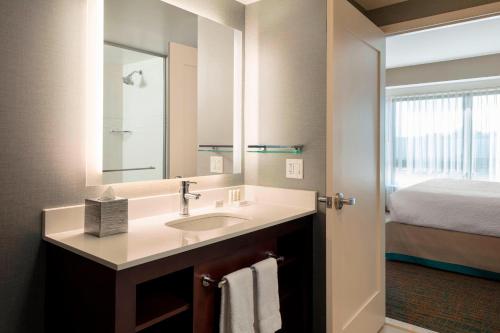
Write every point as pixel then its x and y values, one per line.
pixel 128 80
pixel 134 128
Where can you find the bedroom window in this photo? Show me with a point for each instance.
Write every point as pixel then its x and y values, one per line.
pixel 447 135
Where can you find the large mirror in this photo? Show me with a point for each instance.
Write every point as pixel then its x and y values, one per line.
pixel 172 86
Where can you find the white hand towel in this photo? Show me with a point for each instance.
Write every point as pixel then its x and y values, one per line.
pixel 237 303
pixel 267 300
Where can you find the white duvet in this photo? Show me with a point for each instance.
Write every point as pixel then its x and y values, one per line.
pixel 458 205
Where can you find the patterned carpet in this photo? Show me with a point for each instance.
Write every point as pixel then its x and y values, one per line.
pixel 441 301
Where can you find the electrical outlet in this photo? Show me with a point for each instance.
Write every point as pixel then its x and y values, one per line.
pixel 295 168
pixel 216 164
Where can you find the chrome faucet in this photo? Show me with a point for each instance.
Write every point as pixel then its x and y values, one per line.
pixel 186 196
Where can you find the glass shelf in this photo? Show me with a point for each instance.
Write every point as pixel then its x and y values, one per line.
pixel 276 149
pixel 215 148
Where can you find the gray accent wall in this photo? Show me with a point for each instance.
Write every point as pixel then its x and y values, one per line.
pixel 42 135
pixel 286 89
pixel 285 103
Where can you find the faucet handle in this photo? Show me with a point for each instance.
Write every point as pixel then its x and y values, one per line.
pixel 186 183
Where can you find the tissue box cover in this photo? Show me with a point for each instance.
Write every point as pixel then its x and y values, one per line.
pixel 105 218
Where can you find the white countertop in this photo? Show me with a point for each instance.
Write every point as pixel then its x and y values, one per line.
pixel 149 238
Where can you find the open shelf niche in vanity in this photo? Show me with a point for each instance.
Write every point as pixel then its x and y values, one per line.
pixel 144 281
pixel 167 300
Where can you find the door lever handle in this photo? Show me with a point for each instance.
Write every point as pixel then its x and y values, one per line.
pixel 340 201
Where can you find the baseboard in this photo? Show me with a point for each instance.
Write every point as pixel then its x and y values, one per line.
pixel 405 327
pixel 444 266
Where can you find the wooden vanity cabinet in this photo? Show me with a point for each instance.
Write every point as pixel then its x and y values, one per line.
pixel 167 295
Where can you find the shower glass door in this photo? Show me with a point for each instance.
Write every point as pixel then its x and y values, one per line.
pixel 134 120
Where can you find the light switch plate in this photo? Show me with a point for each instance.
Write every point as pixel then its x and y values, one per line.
pixel 216 164
pixel 295 168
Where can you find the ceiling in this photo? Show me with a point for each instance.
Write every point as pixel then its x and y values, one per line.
pixel 373 4
pixel 366 4
pixel 459 41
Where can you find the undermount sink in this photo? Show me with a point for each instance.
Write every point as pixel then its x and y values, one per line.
pixel 207 222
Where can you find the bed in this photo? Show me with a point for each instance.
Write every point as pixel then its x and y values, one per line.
pixel 447 224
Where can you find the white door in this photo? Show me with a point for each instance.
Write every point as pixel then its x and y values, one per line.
pixel 355 234
pixel 183 111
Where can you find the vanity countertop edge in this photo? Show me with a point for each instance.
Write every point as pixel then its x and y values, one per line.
pixel 150 238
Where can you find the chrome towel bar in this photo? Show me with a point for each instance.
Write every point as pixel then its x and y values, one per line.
pixel 121 131
pixel 131 169
pixel 207 281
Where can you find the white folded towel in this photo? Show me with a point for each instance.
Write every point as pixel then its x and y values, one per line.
pixel 237 303
pixel 267 300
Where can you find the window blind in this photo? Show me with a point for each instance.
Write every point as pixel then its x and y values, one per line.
pixel 443 135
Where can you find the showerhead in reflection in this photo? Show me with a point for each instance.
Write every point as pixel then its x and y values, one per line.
pixel 128 79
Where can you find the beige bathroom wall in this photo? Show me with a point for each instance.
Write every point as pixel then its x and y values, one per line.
pixel 42 131
pixel 461 69
pixel 216 67
pixel 285 103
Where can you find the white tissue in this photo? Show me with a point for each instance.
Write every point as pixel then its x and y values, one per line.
pixel 108 195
